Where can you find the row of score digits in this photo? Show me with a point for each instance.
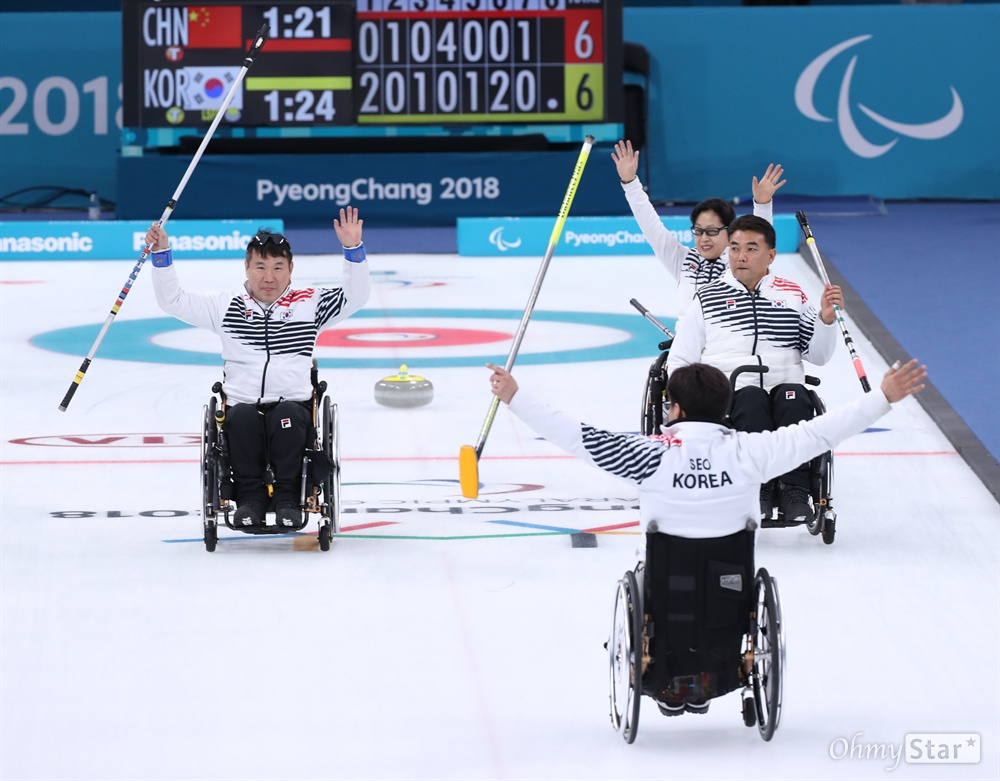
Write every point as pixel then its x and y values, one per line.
pixel 371 62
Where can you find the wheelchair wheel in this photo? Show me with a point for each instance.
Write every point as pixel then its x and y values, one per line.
pixel 829 514
pixel 769 655
pixel 209 475
pixel 749 712
pixel 825 521
pixel 817 480
pixel 209 439
pixel 625 655
pixel 653 398
pixel 829 527
pixel 331 448
pixel 325 536
pixel 211 535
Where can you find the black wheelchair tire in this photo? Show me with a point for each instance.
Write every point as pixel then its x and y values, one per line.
pixel 209 442
pixel 769 656
pixel 652 398
pixel 211 536
pixel 331 449
pixel 625 657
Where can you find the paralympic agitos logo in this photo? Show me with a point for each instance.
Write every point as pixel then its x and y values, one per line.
pixel 497 239
pixel 805 88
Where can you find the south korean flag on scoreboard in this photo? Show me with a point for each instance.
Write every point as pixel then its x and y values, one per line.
pixel 207 88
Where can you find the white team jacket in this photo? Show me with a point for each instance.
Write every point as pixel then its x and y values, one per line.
pixel 775 325
pixel 690 270
pixel 267 349
pixel 699 479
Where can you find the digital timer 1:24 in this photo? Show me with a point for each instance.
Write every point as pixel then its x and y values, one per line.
pixel 301 106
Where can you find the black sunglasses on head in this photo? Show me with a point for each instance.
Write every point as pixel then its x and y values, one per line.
pixel 264 236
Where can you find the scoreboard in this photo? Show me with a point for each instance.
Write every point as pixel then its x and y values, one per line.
pixel 373 63
pixel 479 60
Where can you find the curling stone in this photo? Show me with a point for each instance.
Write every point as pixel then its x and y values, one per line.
pixel 403 390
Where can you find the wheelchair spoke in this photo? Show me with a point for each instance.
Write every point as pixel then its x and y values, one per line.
pixel 768 656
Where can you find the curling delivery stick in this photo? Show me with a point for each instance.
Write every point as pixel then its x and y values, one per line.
pixel 838 312
pixel 255 47
pixel 468 456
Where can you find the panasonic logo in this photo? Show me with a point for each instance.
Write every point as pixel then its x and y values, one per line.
pixel 222 241
pixel 72 243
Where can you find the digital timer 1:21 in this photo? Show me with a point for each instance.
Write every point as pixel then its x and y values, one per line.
pixel 299 22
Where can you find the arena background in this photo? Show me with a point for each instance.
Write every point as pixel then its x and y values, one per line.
pixel 909 230
pixel 469 647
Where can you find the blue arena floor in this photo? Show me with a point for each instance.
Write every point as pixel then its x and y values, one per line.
pixel 930 273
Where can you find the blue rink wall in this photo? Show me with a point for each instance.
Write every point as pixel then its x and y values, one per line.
pixel 891 100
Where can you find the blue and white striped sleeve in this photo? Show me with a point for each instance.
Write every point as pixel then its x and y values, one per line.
pixel 629 456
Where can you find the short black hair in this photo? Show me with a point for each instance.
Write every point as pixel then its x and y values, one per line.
pixel 722 208
pixel 751 222
pixel 703 392
pixel 268 243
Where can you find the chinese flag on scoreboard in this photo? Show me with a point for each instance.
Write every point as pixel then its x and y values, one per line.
pixel 215 27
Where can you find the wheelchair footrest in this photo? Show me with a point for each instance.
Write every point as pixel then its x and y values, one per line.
pixel 780 523
pixel 690 688
pixel 267 528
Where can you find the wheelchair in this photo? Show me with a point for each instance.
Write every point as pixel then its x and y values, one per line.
pixel 654 395
pixel 320 482
pixel 824 520
pixel 691 624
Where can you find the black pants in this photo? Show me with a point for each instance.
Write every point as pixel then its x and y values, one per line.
pixel 270 434
pixel 699 594
pixel 754 409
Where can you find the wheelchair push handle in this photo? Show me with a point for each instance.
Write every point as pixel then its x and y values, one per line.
pixel 318 384
pixel 642 310
pixel 750 368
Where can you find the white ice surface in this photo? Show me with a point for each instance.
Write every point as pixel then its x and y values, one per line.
pixel 445 645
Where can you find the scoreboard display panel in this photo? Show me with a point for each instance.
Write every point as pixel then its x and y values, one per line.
pixel 344 63
pixel 479 60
